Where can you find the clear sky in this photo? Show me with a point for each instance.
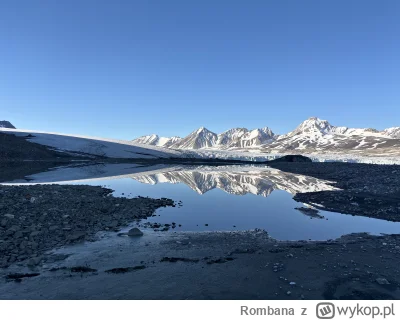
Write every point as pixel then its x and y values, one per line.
pixel 126 68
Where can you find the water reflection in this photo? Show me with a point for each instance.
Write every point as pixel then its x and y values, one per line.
pixel 222 198
pixel 238 181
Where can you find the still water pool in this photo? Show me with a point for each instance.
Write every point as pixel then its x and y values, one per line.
pixel 224 198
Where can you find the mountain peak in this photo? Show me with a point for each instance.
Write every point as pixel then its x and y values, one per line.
pixel 6 124
pixel 200 138
pixel 201 129
pixel 268 131
pixel 314 125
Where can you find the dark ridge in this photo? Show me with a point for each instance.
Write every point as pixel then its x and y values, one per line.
pixel 291 158
pixel 6 124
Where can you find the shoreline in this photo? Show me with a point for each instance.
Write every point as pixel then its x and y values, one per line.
pixel 35 219
pixel 365 189
pixel 223 265
pixel 49 244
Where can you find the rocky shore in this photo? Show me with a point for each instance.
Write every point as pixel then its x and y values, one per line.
pixel 367 189
pixel 34 219
pixel 214 265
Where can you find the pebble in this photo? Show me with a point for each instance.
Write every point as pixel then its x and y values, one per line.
pixel 382 281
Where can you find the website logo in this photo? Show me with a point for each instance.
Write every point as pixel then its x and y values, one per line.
pixel 325 310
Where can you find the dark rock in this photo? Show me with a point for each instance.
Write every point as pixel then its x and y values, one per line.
pixel 77 235
pixel 34 261
pixel 82 269
pixel 175 259
pixel 382 281
pixel 13 276
pixel 135 232
pixel 125 270
pixel 220 260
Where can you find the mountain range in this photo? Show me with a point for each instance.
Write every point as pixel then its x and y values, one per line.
pixel 312 135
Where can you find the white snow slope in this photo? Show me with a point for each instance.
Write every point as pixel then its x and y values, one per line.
pixel 95 146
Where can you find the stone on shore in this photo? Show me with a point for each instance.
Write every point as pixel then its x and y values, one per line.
pixel 135 232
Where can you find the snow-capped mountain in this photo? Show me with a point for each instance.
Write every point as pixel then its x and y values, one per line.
pixel 232 137
pixel 201 138
pixel 312 127
pixel 311 136
pixel 258 137
pixel 315 136
pixel 243 138
pixel 6 124
pixel 155 140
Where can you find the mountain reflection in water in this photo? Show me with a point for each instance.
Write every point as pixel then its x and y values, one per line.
pixel 239 182
pixel 221 198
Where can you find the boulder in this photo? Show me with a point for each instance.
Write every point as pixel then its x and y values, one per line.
pixel 135 232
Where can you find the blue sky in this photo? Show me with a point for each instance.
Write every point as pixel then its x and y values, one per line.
pixel 127 68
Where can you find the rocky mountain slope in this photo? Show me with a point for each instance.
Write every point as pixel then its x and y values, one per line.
pixel 392 132
pixel 6 124
pixel 243 138
pixel 311 136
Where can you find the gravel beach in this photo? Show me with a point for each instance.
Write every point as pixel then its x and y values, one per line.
pixel 366 189
pixel 34 219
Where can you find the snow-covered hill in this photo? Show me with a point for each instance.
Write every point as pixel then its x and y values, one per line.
pixel 94 146
pixel 311 136
pixel 6 124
